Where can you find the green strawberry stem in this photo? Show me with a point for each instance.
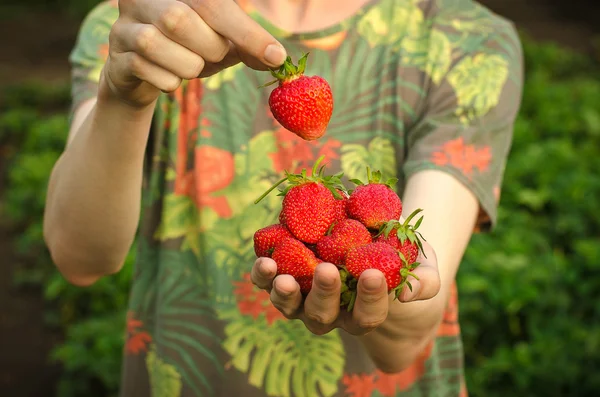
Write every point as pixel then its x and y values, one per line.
pixel 411 216
pixel 352 301
pixel 405 230
pixel 375 177
pixel 405 273
pixel 265 194
pixel 348 289
pixel 332 182
pixel 288 71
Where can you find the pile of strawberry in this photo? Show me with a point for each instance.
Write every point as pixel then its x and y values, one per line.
pixel 322 221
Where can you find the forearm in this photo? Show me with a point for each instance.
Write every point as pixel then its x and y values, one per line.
pixel 447 226
pixel 94 192
pixel 395 344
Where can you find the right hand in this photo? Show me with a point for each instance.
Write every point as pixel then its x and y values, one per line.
pixel 155 44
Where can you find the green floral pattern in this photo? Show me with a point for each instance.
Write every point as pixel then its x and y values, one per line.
pixel 418 84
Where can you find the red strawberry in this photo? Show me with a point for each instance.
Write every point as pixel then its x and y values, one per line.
pixel 309 211
pixel 294 258
pixel 341 206
pixel 403 237
pixel 300 103
pixel 267 238
pixel 309 204
pixel 345 235
pixel 383 257
pixel 409 252
pixel 375 203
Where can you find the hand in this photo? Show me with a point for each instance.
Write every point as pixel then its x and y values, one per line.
pixel 321 311
pixel 155 44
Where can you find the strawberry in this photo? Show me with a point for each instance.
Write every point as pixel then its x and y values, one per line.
pixel 267 238
pixel 383 257
pixel 309 204
pixel 341 206
pixel 403 237
pixel 294 258
pixel 301 104
pixel 344 235
pixel 375 203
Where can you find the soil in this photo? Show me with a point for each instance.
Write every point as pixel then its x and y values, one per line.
pixel 36 45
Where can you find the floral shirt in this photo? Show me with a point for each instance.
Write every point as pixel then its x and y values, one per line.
pixel 417 84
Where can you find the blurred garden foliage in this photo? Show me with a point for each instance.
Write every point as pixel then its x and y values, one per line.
pixel 528 291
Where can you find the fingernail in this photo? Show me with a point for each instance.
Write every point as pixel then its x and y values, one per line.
pixel 373 283
pixel 325 281
pixel 282 291
pixel 266 272
pixel 275 54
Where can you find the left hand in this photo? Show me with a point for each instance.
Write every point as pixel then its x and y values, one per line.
pixel 321 312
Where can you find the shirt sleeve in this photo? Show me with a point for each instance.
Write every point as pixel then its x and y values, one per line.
pixel 467 122
pixel 90 52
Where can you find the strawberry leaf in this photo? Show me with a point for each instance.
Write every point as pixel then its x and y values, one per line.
pixel 418 223
pixel 302 63
pixel 391 182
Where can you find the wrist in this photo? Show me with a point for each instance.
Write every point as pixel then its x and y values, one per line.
pixel 408 329
pixel 108 95
pixel 391 351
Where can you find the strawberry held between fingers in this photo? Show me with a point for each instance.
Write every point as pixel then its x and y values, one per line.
pixel 386 259
pixel 294 258
pixel 309 205
pixel 301 104
pixel 267 238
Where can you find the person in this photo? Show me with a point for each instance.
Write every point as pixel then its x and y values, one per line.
pixel 171 141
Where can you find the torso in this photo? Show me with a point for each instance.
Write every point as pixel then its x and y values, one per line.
pixel 196 325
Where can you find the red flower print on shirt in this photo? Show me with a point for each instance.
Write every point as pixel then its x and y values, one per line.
pixel 330 149
pixel 463 157
pixel 253 301
pixel 189 100
pixel 387 384
pixel 103 51
pixel 450 325
pixel 294 153
pixel 213 168
pixel 359 385
pixel 137 340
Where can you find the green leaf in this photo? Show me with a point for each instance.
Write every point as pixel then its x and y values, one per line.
pixel 179 217
pixel 268 353
pixel 379 154
pixel 165 380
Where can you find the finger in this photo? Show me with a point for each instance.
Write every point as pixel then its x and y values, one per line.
pixel 132 64
pixel 150 43
pixel 425 286
pixel 231 58
pixel 178 22
pixel 286 295
pixel 426 281
pixel 228 19
pixel 263 272
pixel 322 305
pixel 371 307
